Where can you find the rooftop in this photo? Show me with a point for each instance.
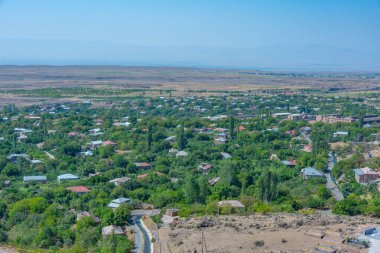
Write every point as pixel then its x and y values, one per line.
pixel 232 203
pixel 78 189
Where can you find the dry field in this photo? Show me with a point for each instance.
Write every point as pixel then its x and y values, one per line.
pixel 278 232
pixel 31 77
pixel 151 81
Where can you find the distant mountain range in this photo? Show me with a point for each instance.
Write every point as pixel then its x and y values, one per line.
pixel 275 57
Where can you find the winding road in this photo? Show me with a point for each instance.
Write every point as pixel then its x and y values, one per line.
pixel 331 184
pixel 142 241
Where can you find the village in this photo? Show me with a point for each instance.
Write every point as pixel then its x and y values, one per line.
pixel 144 165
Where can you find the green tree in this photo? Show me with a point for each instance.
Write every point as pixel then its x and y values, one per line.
pixel 267 186
pixel 182 138
pixel 122 214
pixel 204 189
pixel 232 127
pixel 191 190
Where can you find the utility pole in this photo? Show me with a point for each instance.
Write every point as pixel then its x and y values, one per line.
pixel 203 241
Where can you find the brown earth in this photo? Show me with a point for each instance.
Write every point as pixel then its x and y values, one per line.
pixel 278 233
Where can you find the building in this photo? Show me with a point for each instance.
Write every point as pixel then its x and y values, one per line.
pixel 235 204
pixel 220 141
pixel 282 115
pixel 226 155
pixel 143 165
pixel 340 133
pixel 41 179
pixel 117 202
pixel 109 143
pixel 310 172
pixel 95 132
pixel 205 168
pixel 95 144
pixel 66 177
pixel 334 118
pixel 365 175
pixel 78 189
pixel 181 154
pixel 112 230
pixel 87 214
pixel 213 181
pixel 14 157
pixel 120 180
pixel 290 163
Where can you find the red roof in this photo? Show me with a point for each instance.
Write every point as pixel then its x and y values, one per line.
pixel 106 143
pixel 78 189
pixel 241 128
pixel 73 134
pixel 142 175
pixel 143 164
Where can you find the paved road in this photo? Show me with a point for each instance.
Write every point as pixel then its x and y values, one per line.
pixel 142 241
pixel 331 184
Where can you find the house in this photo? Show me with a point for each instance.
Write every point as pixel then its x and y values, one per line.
pixel 95 144
pixel 235 204
pixel 307 148
pixel 333 118
pixel 35 161
pixel 112 230
pixel 78 189
pixel 221 135
pixel 95 132
pixel 142 176
pixel 22 130
pixel 109 143
pixel 41 179
pixel 14 157
pixel 310 172
pixel 283 115
pixel 213 181
pixel 87 153
pixel 66 177
pixel 220 141
pixel 290 163
pixel 365 175
pixel 226 155
pixel 173 151
pixel 52 131
pixel 40 145
pixel 117 202
pixel 143 165
pixel 22 137
pixel 126 124
pixel 170 139
pixel 120 180
pixel 73 134
pixel 205 168
pixel 305 130
pixel 181 154
pixel 340 133
pixel 88 214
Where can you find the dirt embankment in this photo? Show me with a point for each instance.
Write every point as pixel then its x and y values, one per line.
pixel 262 233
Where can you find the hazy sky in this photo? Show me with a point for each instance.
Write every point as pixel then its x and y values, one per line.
pixel 273 34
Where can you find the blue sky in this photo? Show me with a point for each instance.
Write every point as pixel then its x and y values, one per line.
pixel 270 34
